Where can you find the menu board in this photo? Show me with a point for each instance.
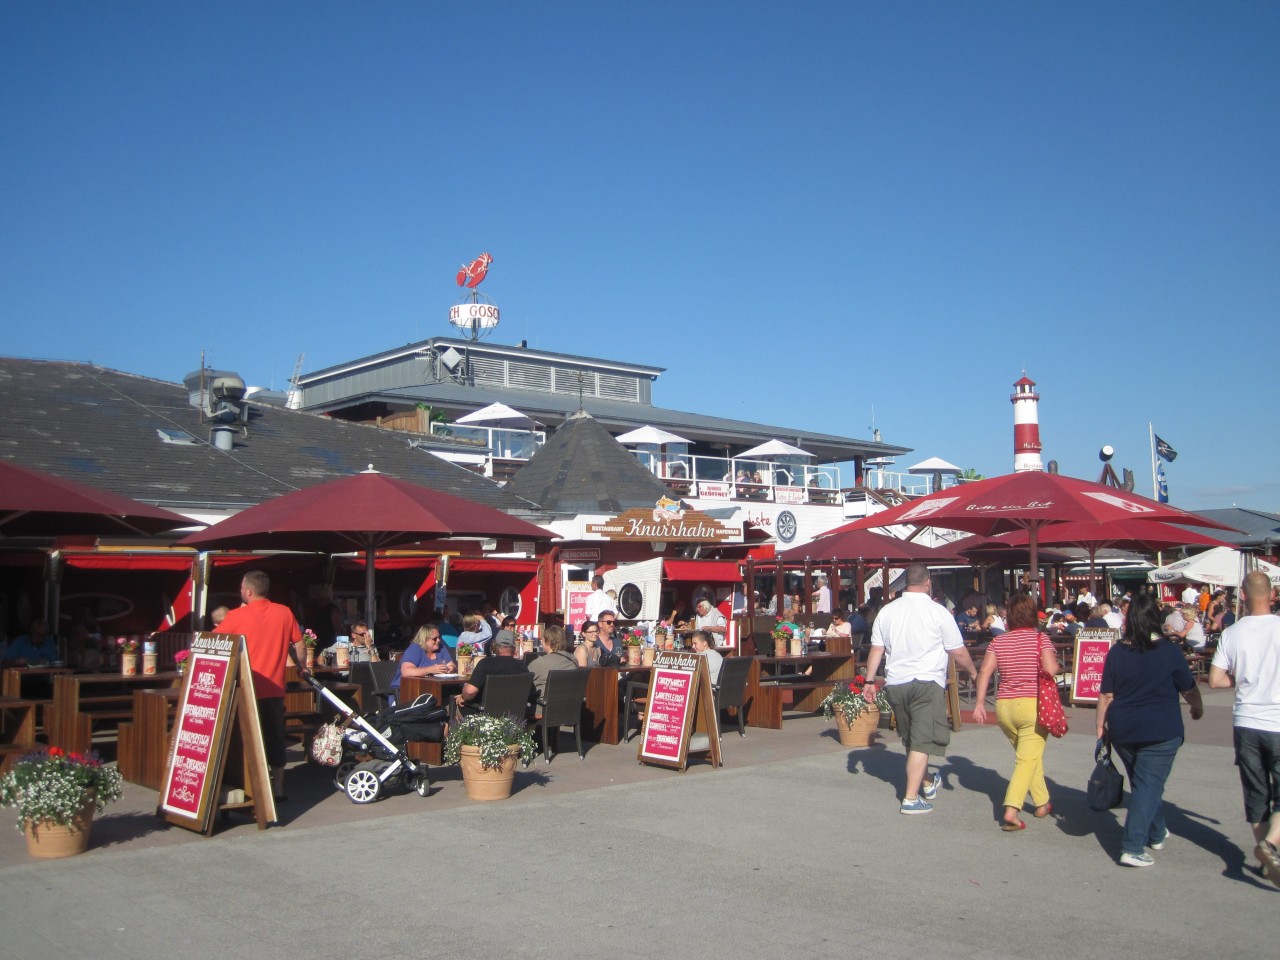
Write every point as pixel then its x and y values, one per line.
pixel 196 730
pixel 217 701
pixel 1092 645
pixel 680 702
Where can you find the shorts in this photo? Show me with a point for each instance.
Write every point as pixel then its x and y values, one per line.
pixel 271 717
pixel 1258 757
pixel 920 710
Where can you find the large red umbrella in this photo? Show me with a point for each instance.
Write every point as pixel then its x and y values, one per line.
pixel 1027 501
pixel 367 512
pixel 38 504
pixel 853 545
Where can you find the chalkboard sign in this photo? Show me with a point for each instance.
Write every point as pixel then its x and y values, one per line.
pixel 217 705
pixel 681 705
pixel 1092 644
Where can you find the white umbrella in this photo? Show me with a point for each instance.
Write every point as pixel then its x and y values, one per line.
pixel 773 448
pixel 1220 566
pixel 496 412
pixel 647 434
pixel 934 465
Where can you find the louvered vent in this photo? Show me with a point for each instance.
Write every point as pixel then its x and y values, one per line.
pixel 528 376
pixel 618 388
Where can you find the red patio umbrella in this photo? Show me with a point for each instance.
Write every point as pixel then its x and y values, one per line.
pixel 366 512
pixel 38 504
pixel 853 545
pixel 1028 501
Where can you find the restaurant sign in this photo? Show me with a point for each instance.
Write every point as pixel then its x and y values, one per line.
pixel 788 494
pixel 667 520
pixel 681 705
pixel 1092 646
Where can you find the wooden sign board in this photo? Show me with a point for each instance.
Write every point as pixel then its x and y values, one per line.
pixel 217 705
pixel 1092 644
pixel 681 708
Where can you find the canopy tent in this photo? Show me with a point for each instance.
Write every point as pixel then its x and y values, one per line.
pixel 1221 567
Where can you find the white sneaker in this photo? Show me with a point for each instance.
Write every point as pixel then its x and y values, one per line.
pixel 1159 844
pixel 930 790
pixel 1136 860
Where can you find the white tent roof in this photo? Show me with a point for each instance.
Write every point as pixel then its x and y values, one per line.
pixel 1220 566
pixel 647 434
pixel 774 448
pixel 934 465
pixel 496 412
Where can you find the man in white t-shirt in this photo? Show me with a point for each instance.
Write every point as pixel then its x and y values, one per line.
pixel 917 636
pixel 1190 595
pixel 710 619
pixel 1249 655
pixel 822 597
pixel 599 600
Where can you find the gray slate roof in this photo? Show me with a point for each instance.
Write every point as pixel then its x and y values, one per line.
pixel 1258 526
pixel 582 469
pixel 99 427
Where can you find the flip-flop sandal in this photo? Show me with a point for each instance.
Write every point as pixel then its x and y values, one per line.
pixel 1014 826
pixel 1043 811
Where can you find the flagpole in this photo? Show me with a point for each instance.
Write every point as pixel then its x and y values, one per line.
pixel 1155 483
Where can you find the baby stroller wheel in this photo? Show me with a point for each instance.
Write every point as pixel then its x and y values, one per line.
pixel 423 785
pixel 341 772
pixel 363 785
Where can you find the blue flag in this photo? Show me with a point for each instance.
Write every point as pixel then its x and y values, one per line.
pixel 1162 484
pixel 1164 451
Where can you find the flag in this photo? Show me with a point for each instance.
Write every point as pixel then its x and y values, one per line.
pixel 1164 451
pixel 1162 485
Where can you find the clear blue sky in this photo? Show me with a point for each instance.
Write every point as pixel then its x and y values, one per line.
pixel 805 211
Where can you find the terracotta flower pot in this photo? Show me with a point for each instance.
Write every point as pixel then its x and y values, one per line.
pixel 128 665
pixel 861 731
pixel 780 648
pixel 485 784
pixel 633 656
pixel 52 841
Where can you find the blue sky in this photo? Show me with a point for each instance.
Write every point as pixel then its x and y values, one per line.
pixel 805 211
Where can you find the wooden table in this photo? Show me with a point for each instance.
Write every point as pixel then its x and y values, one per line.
pixel 33 684
pixel 17 729
pixel 600 713
pixel 443 689
pixel 766 695
pixel 143 743
pixel 82 701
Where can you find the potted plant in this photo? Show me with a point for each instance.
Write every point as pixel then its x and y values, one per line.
pixel 662 635
pixel 487 748
pixel 633 640
pixel 128 647
pixel 180 661
pixel 56 794
pixel 309 640
pixel 465 655
pixel 856 717
pixel 784 631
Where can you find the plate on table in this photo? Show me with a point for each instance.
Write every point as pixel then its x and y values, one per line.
pixel 446 676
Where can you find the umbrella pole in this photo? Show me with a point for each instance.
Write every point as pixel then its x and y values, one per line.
pixel 1033 538
pixel 370 611
pixel 1093 574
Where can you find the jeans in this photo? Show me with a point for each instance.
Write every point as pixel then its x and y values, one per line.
pixel 1148 766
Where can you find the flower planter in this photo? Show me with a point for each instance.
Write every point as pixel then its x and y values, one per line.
pixel 647 656
pixel 488 784
pixel 861 731
pixel 53 841
pixel 780 648
pixel 129 664
pixel 311 657
pixel 464 665
pixel 634 655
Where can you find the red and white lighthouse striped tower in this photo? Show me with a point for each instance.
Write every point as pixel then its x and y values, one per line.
pixel 1026 425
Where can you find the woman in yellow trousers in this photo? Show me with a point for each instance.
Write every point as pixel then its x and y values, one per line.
pixel 1019 654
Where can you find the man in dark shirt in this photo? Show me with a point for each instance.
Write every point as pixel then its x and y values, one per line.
pixel 502 663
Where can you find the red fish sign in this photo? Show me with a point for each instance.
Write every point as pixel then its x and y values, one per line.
pixel 472 273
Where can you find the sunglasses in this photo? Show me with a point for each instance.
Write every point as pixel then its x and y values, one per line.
pixel 608 621
pixel 360 634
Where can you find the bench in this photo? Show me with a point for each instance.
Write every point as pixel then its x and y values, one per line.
pixel 770 690
pixel 85 703
pixel 17 730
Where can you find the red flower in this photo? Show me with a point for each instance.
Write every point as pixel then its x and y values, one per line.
pixel 56 752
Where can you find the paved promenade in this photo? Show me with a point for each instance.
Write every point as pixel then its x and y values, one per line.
pixel 796 845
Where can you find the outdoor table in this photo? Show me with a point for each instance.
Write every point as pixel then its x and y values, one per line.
pixel 83 700
pixel 33 684
pixel 771 678
pixel 600 720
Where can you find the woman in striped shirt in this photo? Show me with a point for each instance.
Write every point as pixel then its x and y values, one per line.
pixel 1019 654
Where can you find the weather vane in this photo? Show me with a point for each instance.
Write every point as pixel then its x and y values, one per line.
pixel 472 273
pixel 474 317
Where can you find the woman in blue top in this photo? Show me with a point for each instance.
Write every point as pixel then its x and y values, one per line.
pixel 1138 712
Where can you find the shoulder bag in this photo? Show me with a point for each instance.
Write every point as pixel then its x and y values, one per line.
pixel 1049 712
pixel 1106 784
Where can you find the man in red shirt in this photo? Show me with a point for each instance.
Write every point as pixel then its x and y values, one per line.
pixel 272 635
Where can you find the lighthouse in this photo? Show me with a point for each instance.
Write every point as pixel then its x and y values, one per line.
pixel 1026 425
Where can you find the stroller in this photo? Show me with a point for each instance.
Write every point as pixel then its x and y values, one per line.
pixel 368 752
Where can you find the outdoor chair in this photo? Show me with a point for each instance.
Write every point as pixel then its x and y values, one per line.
pixel 635 695
pixel 561 706
pixel 507 695
pixel 732 691
pixel 375 682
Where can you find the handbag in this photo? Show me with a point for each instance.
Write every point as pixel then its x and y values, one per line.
pixel 1049 712
pixel 326 748
pixel 1106 784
